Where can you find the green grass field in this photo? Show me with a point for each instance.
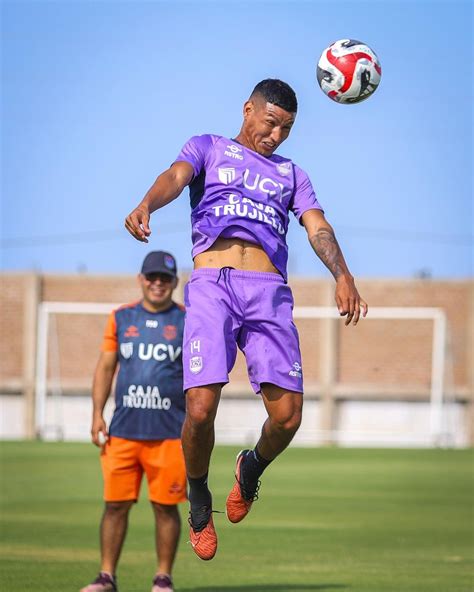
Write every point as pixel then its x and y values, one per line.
pixel 328 519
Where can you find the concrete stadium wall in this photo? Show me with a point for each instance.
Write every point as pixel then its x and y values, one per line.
pixel 356 378
pixel 239 421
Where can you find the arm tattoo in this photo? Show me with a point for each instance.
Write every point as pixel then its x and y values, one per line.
pixel 326 247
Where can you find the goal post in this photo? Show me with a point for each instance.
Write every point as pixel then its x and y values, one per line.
pixel 45 312
pixel 50 384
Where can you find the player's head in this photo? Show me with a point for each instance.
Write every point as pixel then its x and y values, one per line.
pixel 269 115
pixel 158 278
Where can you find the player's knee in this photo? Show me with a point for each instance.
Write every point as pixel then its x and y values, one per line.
pixel 201 408
pixel 199 415
pixel 293 423
pixel 288 422
pixel 118 508
pixel 165 510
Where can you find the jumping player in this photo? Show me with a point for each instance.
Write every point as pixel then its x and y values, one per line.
pixel 241 194
pixel 145 340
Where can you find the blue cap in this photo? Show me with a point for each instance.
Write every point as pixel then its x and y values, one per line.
pixel 159 262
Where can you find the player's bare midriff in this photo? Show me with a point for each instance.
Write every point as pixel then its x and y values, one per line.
pixel 237 253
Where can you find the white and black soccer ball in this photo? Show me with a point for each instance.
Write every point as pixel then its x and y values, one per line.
pixel 348 71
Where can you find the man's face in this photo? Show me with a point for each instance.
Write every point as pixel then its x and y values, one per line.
pixel 157 289
pixel 265 126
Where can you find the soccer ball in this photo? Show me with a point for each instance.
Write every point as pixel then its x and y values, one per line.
pixel 348 71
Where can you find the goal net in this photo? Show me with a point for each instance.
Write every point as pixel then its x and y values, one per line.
pixel 382 383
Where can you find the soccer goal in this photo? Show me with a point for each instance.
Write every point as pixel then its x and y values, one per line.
pixel 405 389
pixel 372 378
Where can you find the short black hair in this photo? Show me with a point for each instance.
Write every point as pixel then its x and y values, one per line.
pixel 278 93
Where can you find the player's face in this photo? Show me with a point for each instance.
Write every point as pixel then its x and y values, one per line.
pixel 157 290
pixel 265 126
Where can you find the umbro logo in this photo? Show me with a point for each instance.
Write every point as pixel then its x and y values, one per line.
pixel 226 175
pixel 132 331
pixel 175 488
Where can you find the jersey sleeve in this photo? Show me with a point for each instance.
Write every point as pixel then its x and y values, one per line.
pixel 110 342
pixel 195 151
pixel 304 197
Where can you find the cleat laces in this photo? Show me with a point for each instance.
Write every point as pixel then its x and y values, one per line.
pixel 250 494
pixel 199 519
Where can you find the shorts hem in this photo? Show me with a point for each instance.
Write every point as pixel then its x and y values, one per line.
pixel 199 383
pixel 181 500
pixel 299 391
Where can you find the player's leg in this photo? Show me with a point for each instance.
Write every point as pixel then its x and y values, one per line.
pixel 113 529
pixel 198 429
pixel 269 340
pixel 198 438
pixel 163 463
pixel 167 532
pixel 284 410
pixel 122 477
pixel 209 352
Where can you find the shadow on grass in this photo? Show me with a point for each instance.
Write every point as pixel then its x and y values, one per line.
pixel 269 588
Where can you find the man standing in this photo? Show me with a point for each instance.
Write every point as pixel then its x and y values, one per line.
pixel 241 195
pixel 145 340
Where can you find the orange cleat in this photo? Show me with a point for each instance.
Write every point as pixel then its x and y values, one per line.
pixel 204 540
pixel 240 498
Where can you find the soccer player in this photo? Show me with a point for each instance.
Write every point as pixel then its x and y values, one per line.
pixel 144 340
pixel 241 194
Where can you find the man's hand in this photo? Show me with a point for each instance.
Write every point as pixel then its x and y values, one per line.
pixel 99 425
pixel 322 239
pixel 137 223
pixel 348 300
pixel 164 190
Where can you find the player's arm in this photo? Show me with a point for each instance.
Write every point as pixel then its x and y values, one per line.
pixel 101 387
pixel 323 240
pixel 164 190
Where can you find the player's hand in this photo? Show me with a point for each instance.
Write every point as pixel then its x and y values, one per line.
pixel 99 434
pixel 137 223
pixel 348 300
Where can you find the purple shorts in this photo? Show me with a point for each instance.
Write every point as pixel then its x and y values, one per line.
pixel 226 308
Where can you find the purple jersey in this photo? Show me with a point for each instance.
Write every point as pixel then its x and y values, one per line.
pixel 238 189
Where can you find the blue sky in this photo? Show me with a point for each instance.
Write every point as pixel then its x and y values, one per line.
pixel 99 97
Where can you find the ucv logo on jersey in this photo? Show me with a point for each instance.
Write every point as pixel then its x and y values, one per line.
pixel 126 349
pixel 226 175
